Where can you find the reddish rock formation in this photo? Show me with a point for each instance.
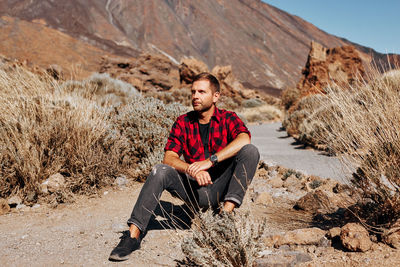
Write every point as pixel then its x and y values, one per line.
pixel 339 64
pixel 148 72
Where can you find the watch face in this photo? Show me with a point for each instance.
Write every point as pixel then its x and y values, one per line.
pixel 213 158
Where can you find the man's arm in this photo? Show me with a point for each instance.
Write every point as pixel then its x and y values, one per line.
pixel 172 159
pixel 227 152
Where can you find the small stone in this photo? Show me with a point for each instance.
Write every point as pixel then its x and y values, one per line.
pixel 31 196
pixel 263 198
pixel 334 232
pixel 4 207
pixel 121 181
pixel 36 206
pixel 293 184
pixel 355 237
pixel 307 236
pixel 393 240
pixel 105 193
pixel 275 182
pixel 14 201
pixel 55 182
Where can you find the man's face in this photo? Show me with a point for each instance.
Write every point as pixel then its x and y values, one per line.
pixel 202 96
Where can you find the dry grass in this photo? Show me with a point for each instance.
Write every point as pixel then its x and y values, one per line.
pixel 263 113
pixel 361 123
pixel 89 131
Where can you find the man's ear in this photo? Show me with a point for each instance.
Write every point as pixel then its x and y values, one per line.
pixel 216 97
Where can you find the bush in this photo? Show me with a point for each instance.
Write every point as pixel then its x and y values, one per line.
pixel 223 240
pixel 74 129
pixel 362 124
pixel 146 122
pixel 44 131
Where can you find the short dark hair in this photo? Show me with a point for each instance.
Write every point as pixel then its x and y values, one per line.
pixel 214 83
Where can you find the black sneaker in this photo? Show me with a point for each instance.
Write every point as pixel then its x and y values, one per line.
pixel 125 247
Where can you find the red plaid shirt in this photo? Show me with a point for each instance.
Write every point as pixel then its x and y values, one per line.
pixel 185 139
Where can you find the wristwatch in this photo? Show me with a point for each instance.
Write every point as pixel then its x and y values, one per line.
pixel 214 159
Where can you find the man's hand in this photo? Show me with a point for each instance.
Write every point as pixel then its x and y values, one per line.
pixel 194 168
pixel 203 178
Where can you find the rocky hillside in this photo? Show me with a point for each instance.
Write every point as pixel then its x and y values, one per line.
pixel 266 47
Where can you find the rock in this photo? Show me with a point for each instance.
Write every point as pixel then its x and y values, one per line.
pixel 4 207
pixel 121 181
pixel 149 72
pixel 323 201
pixel 392 240
pixel 14 201
pixel 334 232
pixel 281 259
pixel 307 236
pixel 275 182
pixel 293 184
pixel 31 196
pixel 263 198
pixel 55 182
pixel 355 237
pixel 189 68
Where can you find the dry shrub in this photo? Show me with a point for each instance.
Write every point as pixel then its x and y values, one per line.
pixel 103 89
pixel 223 240
pixel 362 124
pixel 89 131
pixel 146 122
pixel 44 131
pixel 262 113
pixel 290 96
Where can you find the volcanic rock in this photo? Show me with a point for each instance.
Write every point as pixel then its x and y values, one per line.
pixel 149 72
pixel 306 236
pixel 263 198
pixel 354 237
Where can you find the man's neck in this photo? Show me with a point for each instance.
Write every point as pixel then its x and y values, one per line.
pixel 205 116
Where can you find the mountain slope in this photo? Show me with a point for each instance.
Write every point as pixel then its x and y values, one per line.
pixel 266 47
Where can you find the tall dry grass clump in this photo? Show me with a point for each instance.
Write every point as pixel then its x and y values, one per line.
pixel 44 131
pixel 89 131
pixel 361 123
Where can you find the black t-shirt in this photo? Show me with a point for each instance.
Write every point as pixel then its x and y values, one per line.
pixel 204 133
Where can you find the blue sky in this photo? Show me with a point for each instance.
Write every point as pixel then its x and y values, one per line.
pixel 371 23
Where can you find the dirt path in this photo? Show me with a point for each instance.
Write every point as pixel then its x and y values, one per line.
pixel 276 147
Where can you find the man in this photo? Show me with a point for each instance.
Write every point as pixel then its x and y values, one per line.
pixel 219 163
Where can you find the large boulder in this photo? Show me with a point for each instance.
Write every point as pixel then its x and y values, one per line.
pixel 355 237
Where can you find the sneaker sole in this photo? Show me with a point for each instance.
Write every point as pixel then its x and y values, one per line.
pixel 118 258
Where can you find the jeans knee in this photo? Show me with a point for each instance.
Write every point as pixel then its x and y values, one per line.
pixel 160 173
pixel 250 151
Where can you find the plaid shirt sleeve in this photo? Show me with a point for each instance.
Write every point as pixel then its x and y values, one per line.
pixel 175 141
pixel 236 126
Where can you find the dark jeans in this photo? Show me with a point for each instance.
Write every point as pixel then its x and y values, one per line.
pixel 230 180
